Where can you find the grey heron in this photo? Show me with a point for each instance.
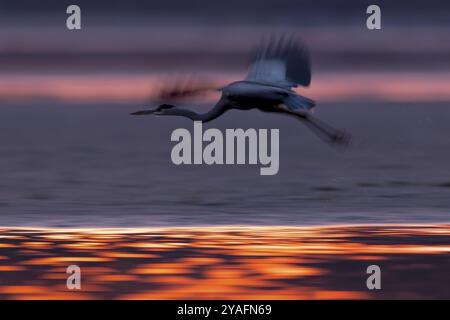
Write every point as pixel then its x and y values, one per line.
pixel 278 66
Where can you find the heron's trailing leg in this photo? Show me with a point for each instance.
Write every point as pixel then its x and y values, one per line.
pixel 325 131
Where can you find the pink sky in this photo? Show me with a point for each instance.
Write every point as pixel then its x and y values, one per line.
pixel 136 88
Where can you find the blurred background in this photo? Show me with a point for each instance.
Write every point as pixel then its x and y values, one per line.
pixel 71 155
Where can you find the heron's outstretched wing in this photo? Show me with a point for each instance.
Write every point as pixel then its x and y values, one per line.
pixel 185 88
pixel 181 88
pixel 282 63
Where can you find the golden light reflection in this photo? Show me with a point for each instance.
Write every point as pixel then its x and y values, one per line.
pixel 229 262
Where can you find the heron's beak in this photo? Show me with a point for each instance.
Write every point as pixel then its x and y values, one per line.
pixel 142 112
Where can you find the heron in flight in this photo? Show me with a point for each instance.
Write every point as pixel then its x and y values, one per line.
pixel 278 66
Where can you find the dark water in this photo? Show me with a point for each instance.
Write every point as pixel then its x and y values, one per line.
pixel 93 165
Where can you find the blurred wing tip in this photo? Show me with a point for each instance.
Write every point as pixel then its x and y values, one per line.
pixel 283 60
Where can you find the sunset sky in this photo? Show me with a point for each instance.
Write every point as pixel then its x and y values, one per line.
pixel 124 49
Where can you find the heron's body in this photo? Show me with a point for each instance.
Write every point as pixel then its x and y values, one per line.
pixel 245 95
pixel 249 95
pixel 275 70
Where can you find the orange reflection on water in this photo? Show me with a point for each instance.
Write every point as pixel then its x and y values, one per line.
pixel 230 262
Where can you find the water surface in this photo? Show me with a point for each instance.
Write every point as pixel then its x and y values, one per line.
pixel 94 165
